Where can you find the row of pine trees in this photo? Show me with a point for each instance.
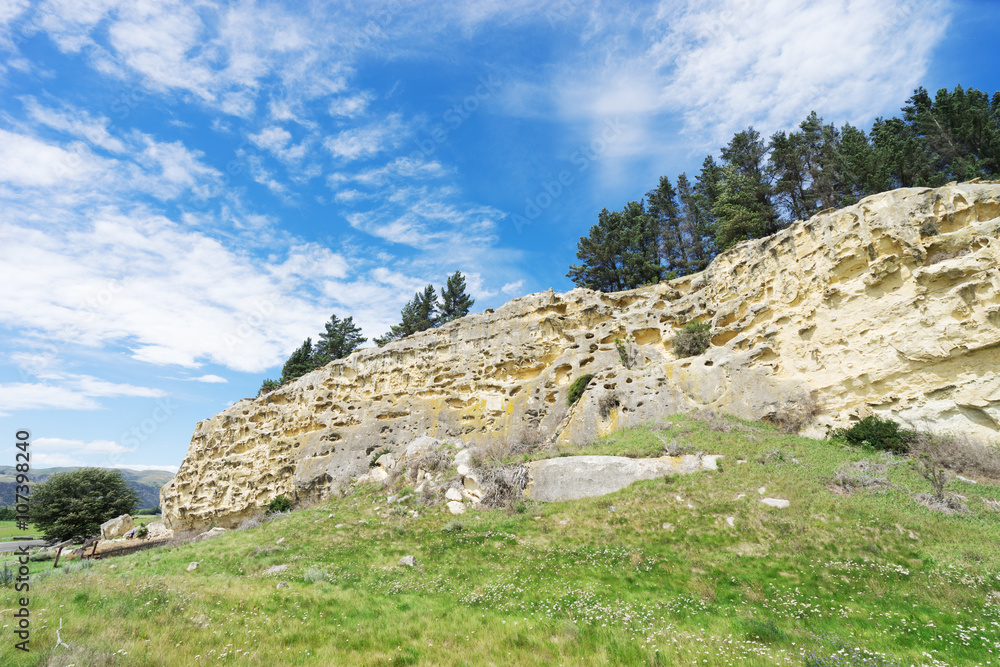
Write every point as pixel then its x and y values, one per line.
pixel 341 336
pixel 759 185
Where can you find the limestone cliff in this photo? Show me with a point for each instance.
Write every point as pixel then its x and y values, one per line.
pixel 891 305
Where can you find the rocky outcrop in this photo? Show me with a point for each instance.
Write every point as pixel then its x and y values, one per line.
pixel 891 305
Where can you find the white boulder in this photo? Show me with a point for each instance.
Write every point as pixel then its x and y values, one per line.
pixel 117 527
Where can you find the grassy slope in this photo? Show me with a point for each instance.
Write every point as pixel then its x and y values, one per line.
pixel 597 581
pixel 9 529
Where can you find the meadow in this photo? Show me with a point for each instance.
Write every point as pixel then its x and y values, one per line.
pixel 687 570
pixel 9 529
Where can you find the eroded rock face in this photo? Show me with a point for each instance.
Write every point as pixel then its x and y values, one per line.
pixel 891 305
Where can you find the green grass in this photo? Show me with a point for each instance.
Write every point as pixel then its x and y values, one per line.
pixel 9 529
pixel 596 581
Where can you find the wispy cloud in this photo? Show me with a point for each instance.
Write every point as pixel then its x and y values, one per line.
pixel 731 63
pixel 66 392
pixel 368 141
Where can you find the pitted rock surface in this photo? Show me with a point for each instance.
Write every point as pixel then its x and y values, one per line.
pixel 890 306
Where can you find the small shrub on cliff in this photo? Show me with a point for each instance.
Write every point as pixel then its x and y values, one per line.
pixel 607 403
pixel 577 388
pixel 268 386
pixel 375 457
pixel 279 504
pixel 878 433
pixel 693 339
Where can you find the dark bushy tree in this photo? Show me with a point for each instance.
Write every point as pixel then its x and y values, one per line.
pixel 760 186
pixel 300 362
pixel 743 207
pixel 417 315
pixel 340 338
pixel 75 504
pixel 620 253
pixel 455 303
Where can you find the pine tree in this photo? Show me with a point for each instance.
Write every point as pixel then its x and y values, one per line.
pixel 455 303
pixel 300 362
pixel 697 226
pixel 791 185
pixel 664 213
pixel 861 174
pixel 902 156
pixel 743 207
pixel 620 253
pixel 340 338
pixel 740 213
pixel 961 130
pixel 417 315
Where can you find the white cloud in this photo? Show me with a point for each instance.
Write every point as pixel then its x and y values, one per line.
pixel 79 447
pixel 66 392
pixel 726 64
pixel 186 298
pixel 732 63
pixel 367 141
pixel 220 55
pixel 350 106
pixel 56 460
pixel 273 138
pixel 26 161
pixel 211 379
pixel 512 288
pixel 77 123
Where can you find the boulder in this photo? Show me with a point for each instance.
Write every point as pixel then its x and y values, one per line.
pixel 209 534
pixel 158 531
pixel 471 489
pixel 463 458
pixel 420 447
pixel 575 477
pixel 117 527
pixel 408 561
pixel 455 507
pixel 453 494
pixel 776 502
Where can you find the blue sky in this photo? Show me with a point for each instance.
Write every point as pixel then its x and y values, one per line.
pixel 189 189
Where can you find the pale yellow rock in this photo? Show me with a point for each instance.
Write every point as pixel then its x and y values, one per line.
pixel 115 528
pixel 889 306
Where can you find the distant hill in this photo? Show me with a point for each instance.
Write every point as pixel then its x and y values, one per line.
pixel 146 483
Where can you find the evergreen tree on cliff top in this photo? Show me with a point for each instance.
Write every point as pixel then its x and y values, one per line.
pixel 620 253
pixel 300 362
pixel 455 303
pixel 417 315
pixel 339 339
